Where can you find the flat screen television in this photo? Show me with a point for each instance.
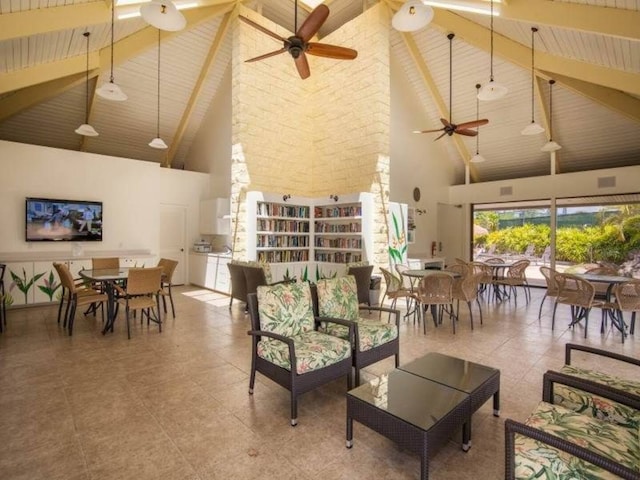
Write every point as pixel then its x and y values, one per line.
pixel 50 220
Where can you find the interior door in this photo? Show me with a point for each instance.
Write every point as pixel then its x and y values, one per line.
pixel 173 233
pixel 451 232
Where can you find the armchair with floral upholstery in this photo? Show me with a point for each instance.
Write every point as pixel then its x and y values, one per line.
pixel 372 339
pixel 287 346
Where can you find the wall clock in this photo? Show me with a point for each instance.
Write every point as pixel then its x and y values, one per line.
pixel 416 194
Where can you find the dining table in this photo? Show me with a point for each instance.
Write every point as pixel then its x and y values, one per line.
pixel 107 277
pixel 611 280
pixel 499 271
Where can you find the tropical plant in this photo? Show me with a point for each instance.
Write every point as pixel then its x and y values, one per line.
pixel 398 242
pixel 23 284
pixel 50 286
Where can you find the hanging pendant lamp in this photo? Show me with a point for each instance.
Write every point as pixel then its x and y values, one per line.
pixel 477 158
pixel 412 16
pixel 551 146
pixel 163 15
pixel 110 90
pixel 533 128
pixel 86 129
pixel 158 142
pixel 492 90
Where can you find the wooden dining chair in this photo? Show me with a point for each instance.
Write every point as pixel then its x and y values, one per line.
pixel 168 268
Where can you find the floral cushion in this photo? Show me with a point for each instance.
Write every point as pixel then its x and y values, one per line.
pixel 597 407
pixel 338 298
pixel 286 309
pixel 603 378
pixel 313 350
pixel 538 460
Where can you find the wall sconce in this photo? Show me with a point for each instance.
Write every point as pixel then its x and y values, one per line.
pixel 286 197
pixel 421 211
pixel 334 197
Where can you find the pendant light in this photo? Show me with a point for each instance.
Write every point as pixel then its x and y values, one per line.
pixel 163 15
pixel 533 128
pixel 412 16
pixel 110 90
pixel 477 158
pixel 158 142
pixel 86 129
pixel 551 146
pixel 492 90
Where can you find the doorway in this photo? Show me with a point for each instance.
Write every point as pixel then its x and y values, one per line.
pixel 173 226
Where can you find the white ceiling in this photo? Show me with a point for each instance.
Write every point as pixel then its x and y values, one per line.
pixel 596 100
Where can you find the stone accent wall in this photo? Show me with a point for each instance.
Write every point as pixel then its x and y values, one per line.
pixel 323 135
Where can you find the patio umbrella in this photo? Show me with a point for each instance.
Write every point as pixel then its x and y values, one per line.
pixel 478 230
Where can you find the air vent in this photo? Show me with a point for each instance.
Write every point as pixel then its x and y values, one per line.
pixel 506 191
pixel 606 182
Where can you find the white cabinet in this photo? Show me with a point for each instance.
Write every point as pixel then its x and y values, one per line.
pixel 223 279
pixel 197 269
pixel 215 217
pixel 210 271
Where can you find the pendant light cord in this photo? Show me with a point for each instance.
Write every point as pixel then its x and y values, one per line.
pixel 113 19
pixel 450 37
pixel 478 118
pixel 86 96
pixel 158 113
pixel 551 82
pixel 533 74
pixel 491 74
pixel 295 19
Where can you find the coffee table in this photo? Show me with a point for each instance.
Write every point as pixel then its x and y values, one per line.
pixel 478 381
pixel 418 414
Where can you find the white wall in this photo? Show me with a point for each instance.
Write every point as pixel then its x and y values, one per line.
pixel 416 161
pixel 131 192
pixel 211 148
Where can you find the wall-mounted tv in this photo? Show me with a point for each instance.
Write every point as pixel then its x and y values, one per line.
pixel 63 220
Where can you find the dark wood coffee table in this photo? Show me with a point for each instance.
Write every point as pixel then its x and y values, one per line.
pixel 420 415
pixel 478 381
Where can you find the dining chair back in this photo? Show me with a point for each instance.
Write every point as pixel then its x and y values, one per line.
pixel 494 260
pixel 552 286
pixel 362 274
pixel 436 290
pixel 516 276
pixel 142 293
pixel 460 268
pixel 168 268
pixel 395 290
pixel 627 296
pixel 577 293
pixel 465 288
pixel 76 296
pixel 407 283
pixel 99 263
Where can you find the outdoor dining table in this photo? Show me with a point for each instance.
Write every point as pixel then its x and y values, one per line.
pixel 612 280
pixel 107 277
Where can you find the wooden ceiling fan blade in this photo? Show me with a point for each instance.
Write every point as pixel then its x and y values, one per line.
pixel 313 22
pixel 257 26
pixel 266 55
pixel 445 122
pixel 474 124
pixel 439 137
pixel 331 51
pixel 468 133
pixel 303 66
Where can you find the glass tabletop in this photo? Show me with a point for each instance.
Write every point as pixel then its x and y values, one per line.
pixel 451 371
pixel 416 400
pixel 419 273
pixel 105 274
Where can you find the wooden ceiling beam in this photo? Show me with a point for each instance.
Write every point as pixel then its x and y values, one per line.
pixel 430 84
pixel 520 55
pixel 28 97
pixel 197 89
pixel 45 20
pixel 615 22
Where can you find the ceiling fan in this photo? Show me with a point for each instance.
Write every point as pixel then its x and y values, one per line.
pixel 449 127
pixel 298 44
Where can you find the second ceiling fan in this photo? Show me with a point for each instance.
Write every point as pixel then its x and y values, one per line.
pixel 449 127
pixel 298 45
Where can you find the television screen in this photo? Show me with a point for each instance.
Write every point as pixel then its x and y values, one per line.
pixel 63 220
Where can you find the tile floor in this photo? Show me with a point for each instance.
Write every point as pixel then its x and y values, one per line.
pixel 174 405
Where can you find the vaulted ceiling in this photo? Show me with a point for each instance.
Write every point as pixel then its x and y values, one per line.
pixel 590 47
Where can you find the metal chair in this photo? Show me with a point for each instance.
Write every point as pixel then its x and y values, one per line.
pixel 516 277
pixel 579 295
pixel 168 268
pixel 436 290
pixel 552 286
pixel 395 290
pixel 628 300
pixel 142 293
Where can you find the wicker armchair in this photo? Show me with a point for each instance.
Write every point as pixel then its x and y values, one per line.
pixel 395 290
pixel 465 289
pixel 287 346
pixel 516 277
pixel 578 294
pixel 362 274
pixel 436 290
pixel 142 293
pixel 373 340
pixel 552 286
pixel 168 268
pixel 628 300
pixel 76 295
pixel 238 283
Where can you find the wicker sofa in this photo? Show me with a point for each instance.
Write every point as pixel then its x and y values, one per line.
pixel 587 426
